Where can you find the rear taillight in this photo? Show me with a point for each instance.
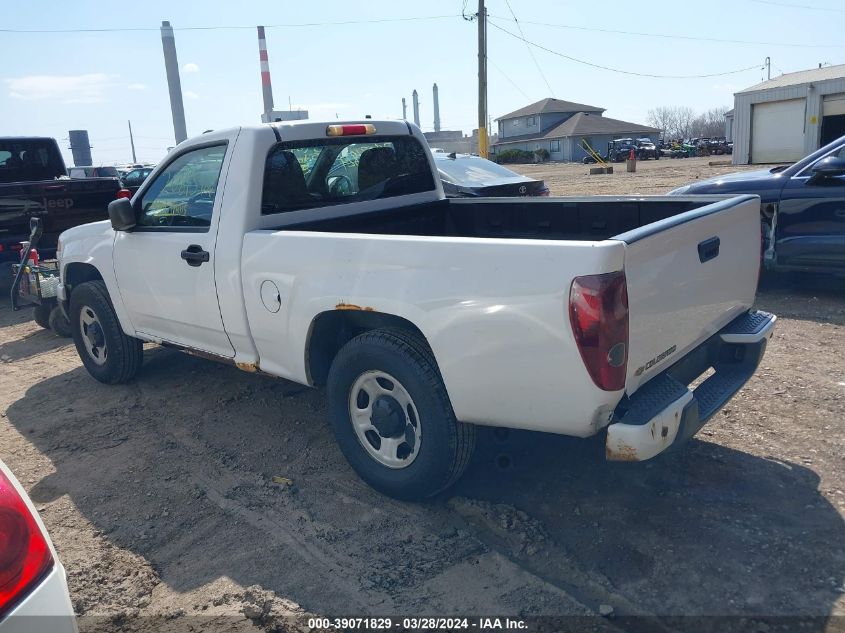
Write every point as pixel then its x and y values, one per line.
pixel 598 312
pixel 123 193
pixel 544 192
pixel 25 557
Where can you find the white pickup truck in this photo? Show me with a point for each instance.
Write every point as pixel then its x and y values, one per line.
pixel 327 254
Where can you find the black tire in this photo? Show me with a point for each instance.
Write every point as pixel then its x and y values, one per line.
pixel 446 445
pixel 120 356
pixel 59 323
pixel 41 315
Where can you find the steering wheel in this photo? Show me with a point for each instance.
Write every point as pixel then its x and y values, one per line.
pixel 340 186
pixel 202 196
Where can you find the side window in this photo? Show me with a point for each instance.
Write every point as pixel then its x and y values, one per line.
pixel 183 194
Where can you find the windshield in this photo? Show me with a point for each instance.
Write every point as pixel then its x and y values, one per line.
pixel 473 170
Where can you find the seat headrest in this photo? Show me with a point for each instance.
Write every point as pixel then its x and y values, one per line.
pixel 376 165
pixel 284 182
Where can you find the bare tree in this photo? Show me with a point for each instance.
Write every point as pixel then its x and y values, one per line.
pixel 711 123
pixel 684 120
pixel 681 122
pixel 663 119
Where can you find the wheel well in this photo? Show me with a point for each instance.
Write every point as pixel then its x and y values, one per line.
pixel 78 273
pixel 331 330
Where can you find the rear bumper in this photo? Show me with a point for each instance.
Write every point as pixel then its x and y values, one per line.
pixel 46 608
pixel 665 412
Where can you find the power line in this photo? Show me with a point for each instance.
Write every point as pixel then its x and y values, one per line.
pixel 232 27
pixel 670 36
pixel 619 70
pixel 530 50
pixel 798 6
pixel 513 83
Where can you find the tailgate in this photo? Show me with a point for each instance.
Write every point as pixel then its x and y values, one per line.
pixel 688 276
pixel 62 204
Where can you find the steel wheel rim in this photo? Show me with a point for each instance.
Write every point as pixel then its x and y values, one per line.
pixel 375 400
pixel 93 336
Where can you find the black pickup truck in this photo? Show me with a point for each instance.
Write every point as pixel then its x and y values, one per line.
pixel 34 183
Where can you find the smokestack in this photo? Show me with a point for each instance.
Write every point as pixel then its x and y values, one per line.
pixel 416 101
pixel 436 109
pixel 266 86
pixel 174 84
pixel 80 147
pixel 404 109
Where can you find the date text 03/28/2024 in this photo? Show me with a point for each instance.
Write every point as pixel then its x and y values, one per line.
pixel 420 623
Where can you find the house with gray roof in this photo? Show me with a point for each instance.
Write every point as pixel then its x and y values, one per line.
pixel 560 126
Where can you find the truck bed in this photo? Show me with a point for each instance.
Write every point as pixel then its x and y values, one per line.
pixel 583 219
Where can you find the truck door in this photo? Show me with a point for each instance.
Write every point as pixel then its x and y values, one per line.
pixel 165 265
pixel 810 229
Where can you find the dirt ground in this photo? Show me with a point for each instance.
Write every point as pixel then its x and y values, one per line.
pixel 160 499
pixel 653 177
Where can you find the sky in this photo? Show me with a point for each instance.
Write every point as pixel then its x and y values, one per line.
pixel 343 60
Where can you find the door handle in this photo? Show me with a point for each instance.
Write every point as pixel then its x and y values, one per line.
pixel 195 255
pixel 839 213
pixel 708 249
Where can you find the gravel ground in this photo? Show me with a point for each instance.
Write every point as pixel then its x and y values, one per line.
pixel 160 499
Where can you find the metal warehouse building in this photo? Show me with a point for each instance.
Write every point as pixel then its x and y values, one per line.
pixel 783 119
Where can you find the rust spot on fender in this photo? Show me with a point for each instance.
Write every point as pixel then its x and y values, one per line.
pixel 621 453
pixel 247 367
pixel 352 306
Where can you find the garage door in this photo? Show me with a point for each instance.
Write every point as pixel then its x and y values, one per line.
pixel 777 131
pixel 834 105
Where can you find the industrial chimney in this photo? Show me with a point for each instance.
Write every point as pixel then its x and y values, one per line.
pixel 266 86
pixel 80 148
pixel 436 109
pixel 404 110
pixel 416 100
pixel 174 84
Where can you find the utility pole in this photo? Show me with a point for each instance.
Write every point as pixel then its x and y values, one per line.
pixel 482 80
pixel 768 68
pixel 132 142
pixel 404 110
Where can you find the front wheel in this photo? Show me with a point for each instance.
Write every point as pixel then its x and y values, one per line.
pixel 392 417
pixel 108 354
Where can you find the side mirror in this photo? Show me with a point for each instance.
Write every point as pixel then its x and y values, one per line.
pixel 122 214
pixel 828 168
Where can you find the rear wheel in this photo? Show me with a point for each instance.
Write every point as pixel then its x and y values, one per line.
pixel 41 315
pixel 392 417
pixel 108 354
